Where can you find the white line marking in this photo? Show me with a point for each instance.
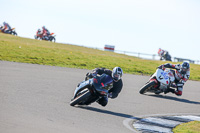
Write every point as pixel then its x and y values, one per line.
pixel 151 128
pixel 190 117
pixel 157 122
pixel 161 121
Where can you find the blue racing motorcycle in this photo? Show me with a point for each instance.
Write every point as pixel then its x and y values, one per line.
pixel 92 90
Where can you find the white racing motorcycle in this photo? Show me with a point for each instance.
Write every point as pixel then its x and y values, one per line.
pixel 159 82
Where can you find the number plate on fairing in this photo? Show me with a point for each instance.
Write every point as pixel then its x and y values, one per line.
pixel 165 75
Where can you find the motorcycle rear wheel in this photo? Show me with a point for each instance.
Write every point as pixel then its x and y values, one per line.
pixel 80 98
pixel 146 87
pixel 53 39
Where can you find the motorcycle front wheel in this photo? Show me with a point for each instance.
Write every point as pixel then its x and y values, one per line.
pixel 14 33
pixel 146 87
pixel 80 98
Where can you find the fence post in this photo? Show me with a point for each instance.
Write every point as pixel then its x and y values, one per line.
pixel 154 56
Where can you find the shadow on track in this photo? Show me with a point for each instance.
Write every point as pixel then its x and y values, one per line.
pixel 106 112
pixel 175 99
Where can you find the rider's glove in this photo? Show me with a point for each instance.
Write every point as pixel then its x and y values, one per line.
pixel 89 75
pixel 161 67
pixel 178 67
pixel 94 74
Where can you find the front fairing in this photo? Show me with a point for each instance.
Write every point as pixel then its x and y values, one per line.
pixel 102 84
pixel 81 86
pixel 166 78
pixel 162 77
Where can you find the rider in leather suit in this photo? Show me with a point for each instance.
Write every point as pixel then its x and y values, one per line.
pixel 182 74
pixel 116 74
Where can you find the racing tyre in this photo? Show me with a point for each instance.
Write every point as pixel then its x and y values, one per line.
pixel 53 39
pixel 14 33
pixel 80 98
pixel 146 87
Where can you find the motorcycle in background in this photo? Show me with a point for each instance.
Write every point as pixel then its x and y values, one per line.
pixel 50 37
pixel 92 90
pixel 159 82
pixel 164 55
pixel 11 31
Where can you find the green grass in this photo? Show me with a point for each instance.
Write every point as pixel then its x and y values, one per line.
pixel 18 49
pixel 190 127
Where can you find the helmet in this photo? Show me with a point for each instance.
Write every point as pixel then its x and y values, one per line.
pixel 39 30
pixel 43 27
pixel 185 66
pixel 117 73
pixel 4 22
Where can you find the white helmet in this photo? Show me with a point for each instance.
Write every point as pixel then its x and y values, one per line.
pixel 117 73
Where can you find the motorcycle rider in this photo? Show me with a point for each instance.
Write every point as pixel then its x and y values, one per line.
pixel 6 27
pixel 182 74
pixel 116 75
pixel 38 31
pixel 162 53
pixel 45 33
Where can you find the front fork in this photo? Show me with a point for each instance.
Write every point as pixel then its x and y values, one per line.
pixel 156 86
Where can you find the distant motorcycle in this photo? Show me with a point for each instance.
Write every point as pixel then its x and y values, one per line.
pixel 11 31
pixel 164 55
pixel 159 82
pixel 50 37
pixel 92 90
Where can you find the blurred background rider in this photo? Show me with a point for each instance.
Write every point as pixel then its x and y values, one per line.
pixel 6 28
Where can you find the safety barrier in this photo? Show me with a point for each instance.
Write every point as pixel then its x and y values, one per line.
pixel 150 56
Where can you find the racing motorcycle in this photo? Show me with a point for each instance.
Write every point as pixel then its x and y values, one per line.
pixel 92 90
pixel 11 31
pixel 164 55
pixel 159 82
pixel 51 37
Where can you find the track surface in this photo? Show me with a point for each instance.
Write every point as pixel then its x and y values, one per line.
pixel 35 99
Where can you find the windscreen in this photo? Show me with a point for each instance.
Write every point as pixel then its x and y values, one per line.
pixel 104 81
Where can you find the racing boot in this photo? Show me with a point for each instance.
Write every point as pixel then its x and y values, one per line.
pixel 169 90
pixel 103 101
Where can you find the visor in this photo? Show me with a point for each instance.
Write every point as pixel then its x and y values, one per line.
pixel 184 69
pixel 116 77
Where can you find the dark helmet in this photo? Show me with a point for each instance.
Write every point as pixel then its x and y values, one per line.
pixel 117 73
pixel 185 66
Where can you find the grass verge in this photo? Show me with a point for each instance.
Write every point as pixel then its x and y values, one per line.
pixel 18 49
pixel 190 127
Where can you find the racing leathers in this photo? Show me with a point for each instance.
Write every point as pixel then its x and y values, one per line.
pixel 45 33
pixel 180 77
pixel 114 91
pixel 6 27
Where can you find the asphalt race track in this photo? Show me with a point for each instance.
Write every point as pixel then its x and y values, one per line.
pixel 35 99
